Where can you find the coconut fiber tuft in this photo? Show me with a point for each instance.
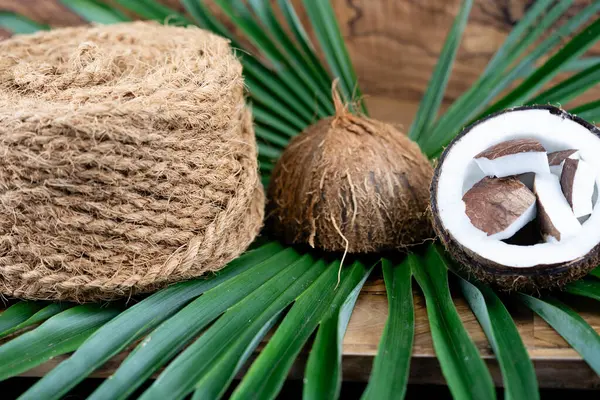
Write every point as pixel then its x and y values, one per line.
pixel 128 161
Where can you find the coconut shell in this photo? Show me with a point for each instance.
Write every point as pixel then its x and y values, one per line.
pixel 532 279
pixel 353 184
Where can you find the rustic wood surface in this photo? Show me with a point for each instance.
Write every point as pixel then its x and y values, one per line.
pixel 394 45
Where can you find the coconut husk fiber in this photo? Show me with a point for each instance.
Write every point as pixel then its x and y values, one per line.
pixel 128 161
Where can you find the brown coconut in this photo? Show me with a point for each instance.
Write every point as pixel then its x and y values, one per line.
pixel 351 183
pixel 128 161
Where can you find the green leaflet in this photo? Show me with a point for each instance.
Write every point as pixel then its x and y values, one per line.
pixel 323 373
pixel 150 9
pixel 265 13
pixel 465 372
pixel 590 112
pixel 572 50
pixel 40 316
pixel 267 134
pixel 332 43
pixel 294 72
pixel 268 372
pixel 214 384
pixel 578 333
pixel 95 11
pixel 131 324
pixel 17 314
pixel 569 89
pixel 18 24
pixel 172 335
pixel 245 318
pixel 389 376
pixel 478 96
pixel 289 13
pixel 521 36
pixel 586 287
pixel 60 334
pixel 432 99
pixel 520 381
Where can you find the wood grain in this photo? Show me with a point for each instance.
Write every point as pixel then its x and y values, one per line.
pixel 394 46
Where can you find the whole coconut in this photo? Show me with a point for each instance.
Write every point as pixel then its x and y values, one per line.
pixel 350 183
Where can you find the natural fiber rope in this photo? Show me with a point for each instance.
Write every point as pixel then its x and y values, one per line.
pixel 127 161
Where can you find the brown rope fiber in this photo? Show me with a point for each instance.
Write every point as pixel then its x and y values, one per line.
pixel 127 161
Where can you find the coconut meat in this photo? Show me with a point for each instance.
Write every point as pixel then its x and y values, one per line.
pixel 556 159
pixel 514 164
pixel 500 207
pixel 556 217
pixel 459 172
pixel 577 181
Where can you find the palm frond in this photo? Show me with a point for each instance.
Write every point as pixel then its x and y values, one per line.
pixel 95 11
pixel 61 334
pixel 517 369
pixel 432 99
pixel 19 24
pixel 464 369
pixel 25 318
pixel 574 329
pixel 389 377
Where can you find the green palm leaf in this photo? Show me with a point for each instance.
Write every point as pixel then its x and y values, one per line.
pixel 578 333
pixel 33 319
pixel 391 366
pixel 589 111
pixel 569 89
pixel 432 99
pixel 323 375
pixel 18 24
pixel 217 379
pixel 268 372
pixel 246 318
pixel 95 11
pixel 465 372
pixel 587 288
pixel 572 50
pixel 173 334
pixel 150 9
pixel 332 43
pixel 517 369
pixel 132 324
pixel 60 334
pixel 17 314
pixel 486 88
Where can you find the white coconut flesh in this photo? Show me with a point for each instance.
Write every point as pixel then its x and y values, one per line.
pixel 459 172
pixel 557 159
pixel 577 181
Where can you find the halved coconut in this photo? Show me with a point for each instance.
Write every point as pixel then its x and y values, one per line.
pixel 512 266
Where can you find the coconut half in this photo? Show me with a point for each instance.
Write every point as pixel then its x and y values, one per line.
pixel 512 266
